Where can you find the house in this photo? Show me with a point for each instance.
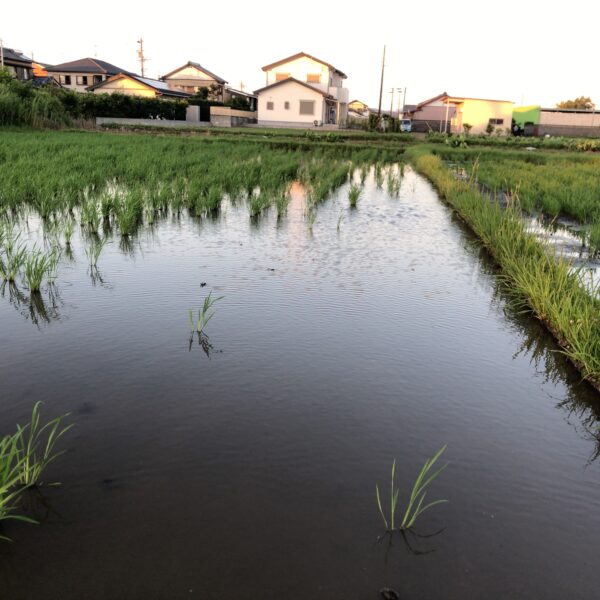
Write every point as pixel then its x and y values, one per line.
pixel 451 113
pixel 302 90
pixel 192 77
pixel 133 85
pixel 358 107
pixel 570 122
pixel 17 63
pixel 80 74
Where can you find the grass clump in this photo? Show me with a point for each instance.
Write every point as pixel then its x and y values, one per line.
pixel 415 505
pixel 354 194
pixel 37 266
pixel 35 444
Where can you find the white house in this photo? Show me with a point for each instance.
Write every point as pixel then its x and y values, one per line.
pixel 302 90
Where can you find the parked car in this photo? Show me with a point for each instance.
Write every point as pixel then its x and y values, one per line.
pixel 406 125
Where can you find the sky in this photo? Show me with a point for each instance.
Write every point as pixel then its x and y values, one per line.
pixel 526 51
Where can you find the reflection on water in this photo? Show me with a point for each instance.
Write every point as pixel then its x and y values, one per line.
pixel 37 307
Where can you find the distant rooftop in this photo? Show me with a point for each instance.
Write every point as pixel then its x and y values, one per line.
pixel 87 65
pixel 198 66
pixel 13 56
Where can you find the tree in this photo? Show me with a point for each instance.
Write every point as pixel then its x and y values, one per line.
pixel 583 102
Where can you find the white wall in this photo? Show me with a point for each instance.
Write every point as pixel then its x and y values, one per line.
pixel 126 86
pixel 74 85
pixel 299 69
pixel 291 92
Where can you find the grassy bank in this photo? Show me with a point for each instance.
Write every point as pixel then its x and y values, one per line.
pixel 549 288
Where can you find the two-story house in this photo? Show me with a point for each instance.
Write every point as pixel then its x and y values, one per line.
pixel 302 90
pixel 17 63
pixel 78 75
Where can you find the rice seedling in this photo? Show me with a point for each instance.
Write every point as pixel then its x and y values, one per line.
pixel 35 445
pixel 415 505
pixel 94 249
pixel 354 195
pixel 13 259
pixel 311 217
pixel 11 468
pixel 68 229
pixel 281 203
pixel 340 219
pixel 37 266
pixel 204 314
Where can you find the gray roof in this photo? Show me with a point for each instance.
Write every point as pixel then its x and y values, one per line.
pixel 87 65
pixel 14 56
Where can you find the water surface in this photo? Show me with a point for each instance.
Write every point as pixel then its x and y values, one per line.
pixel 249 472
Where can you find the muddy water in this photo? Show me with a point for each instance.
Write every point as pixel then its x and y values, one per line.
pixel 246 469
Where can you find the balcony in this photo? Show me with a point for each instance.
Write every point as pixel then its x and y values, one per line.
pixel 339 93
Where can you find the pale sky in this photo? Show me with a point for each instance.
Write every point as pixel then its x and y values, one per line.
pixel 527 51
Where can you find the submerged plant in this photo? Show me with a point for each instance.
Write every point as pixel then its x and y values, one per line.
pixel 354 194
pixel 35 445
pixel 415 506
pixel 203 314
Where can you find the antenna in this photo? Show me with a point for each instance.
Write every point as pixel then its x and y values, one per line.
pixel 143 60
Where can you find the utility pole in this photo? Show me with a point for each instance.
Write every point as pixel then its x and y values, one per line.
pixel 381 84
pixel 1 53
pixel 141 56
pixel 241 86
pixel 392 104
pixel 399 90
pixel 404 100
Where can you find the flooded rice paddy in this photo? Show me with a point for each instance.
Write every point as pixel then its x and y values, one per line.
pixel 245 467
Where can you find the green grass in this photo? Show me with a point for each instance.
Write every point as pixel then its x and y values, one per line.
pixel 37 266
pixel 354 194
pixel 36 443
pixel 24 456
pixel 204 315
pixel 416 504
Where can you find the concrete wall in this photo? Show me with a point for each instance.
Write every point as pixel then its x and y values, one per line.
pixel 290 92
pixel 562 130
pixel 151 122
pixel 570 119
pixel 223 116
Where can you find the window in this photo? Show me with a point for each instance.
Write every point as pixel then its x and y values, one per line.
pixel 81 80
pixel 496 121
pixel 313 78
pixel 97 79
pixel 65 79
pixel 281 76
pixel 307 107
pixel 269 106
pixel 286 105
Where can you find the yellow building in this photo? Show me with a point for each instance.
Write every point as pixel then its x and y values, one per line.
pixel 451 113
pixel 133 85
